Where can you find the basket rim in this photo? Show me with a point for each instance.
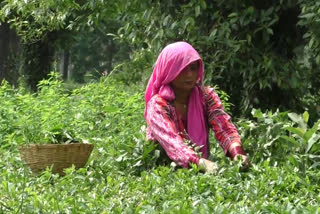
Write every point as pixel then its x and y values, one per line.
pixel 61 156
pixel 55 145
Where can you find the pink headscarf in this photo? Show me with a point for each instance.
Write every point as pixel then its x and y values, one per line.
pixel 171 61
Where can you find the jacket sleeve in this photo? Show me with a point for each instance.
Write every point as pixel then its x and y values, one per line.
pixel 163 129
pixel 219 121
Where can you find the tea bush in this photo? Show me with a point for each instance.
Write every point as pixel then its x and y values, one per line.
pixel 124 174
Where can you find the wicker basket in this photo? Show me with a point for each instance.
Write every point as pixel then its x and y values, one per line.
pixel 40 156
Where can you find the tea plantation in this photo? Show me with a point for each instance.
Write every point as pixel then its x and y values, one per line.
pixel 124 173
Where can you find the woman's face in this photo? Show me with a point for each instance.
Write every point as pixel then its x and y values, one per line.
pixel 187 79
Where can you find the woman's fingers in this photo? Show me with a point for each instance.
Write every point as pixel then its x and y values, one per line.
pixel 208 166
pixel 245 162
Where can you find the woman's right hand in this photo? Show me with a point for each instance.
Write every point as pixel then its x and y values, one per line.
pixel 208 166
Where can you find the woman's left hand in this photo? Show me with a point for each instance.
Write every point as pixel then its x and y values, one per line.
pixel 245 161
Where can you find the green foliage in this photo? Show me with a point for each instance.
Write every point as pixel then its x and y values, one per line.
pixel 252 50
pixel 124 173
pixel 37 60
pixel 137 69
pixel 310 18
pixel 224 97
pixel 46 26
pixel 307 138
pixel 33 19
pixel 264 55
pixel 274 135
pixel 93 51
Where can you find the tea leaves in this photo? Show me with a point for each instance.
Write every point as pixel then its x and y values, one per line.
pixel 126 174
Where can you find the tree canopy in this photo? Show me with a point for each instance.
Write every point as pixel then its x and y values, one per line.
pixel 262 54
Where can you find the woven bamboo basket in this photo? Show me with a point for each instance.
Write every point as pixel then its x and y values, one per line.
pixel 40 156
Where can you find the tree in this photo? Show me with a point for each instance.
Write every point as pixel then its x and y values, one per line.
pixel 251 49
pixel 95 51
pixel 44 25
pixel 9 43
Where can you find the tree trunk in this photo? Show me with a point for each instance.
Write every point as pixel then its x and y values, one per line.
pixel 66 57
pixel 9 51
pixel 38 58
pixel 4 49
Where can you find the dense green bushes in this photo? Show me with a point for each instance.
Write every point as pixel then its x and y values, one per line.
pixel 264 55
pixel 123 174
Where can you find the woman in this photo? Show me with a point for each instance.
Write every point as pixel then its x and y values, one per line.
pixel 180 109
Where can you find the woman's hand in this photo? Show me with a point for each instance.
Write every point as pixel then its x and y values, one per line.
pixel 245 161
pixel 236 152
pixel 208 166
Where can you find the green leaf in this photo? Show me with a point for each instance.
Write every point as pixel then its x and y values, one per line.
pixel 232 15
pixel 316 126
pixel 173 25
pixel 312 141
pixel 213 33
pixel 250 10
pixel 300 132
pixel 197 10
pixel 270 31
pixel 292 160
pixel 305 116
pixel 203 4
pixel 311 131
pixel 165 21
pixel 257 113
pixel 110 109
pixel 308 15
pixel 309 134
pixel 298 119
pixel 290 139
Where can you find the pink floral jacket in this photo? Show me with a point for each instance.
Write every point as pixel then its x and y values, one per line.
pixel 165 127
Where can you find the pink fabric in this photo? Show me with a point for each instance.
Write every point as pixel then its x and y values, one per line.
pixel 171 61
pixel 165 127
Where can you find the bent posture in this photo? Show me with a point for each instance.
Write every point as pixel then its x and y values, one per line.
pixel 180 109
